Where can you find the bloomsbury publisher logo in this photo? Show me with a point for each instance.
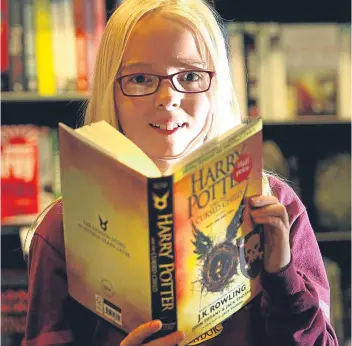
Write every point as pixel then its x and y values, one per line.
pixel 210 334
pixel 103 224
pixel 107 288
pixel 160 203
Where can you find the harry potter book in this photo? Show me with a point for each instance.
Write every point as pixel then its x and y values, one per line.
pixel 179 247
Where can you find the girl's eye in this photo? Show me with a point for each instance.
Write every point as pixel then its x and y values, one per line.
pixel 139 79
pixel 191 77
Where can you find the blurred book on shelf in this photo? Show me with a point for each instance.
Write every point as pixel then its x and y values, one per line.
pixel 332 192
pixel 312 57
pixel 274 162
pixel 288 71
pixel 29 172
pixel 49 46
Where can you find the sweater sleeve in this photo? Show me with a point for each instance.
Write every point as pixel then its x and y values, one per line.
pixel 296 301
pixel 53 317
pixel 47 297
pixel 47 285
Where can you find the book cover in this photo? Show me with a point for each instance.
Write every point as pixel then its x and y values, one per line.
pixel 27 172
pixel 179 247
pixel 19 171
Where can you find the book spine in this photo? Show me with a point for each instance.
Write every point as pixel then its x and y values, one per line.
pixel 277 66
pixel 264 76
pixel 29 45
pixel 44 51
pixel 344 73
pixel 238 66
pixel 81 45
pixel 162 253
pixel 16 49
pixel 89 22
pixel 58 39
pixel 100 21
pixel 250 40
pixel 70 41
pixel 4 45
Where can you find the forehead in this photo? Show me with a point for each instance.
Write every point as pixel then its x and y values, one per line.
pixel 163 41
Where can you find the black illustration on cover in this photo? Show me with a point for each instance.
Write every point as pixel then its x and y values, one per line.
pixel 221 262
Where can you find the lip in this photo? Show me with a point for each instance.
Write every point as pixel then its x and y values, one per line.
pixel 167 121
pixel 166 132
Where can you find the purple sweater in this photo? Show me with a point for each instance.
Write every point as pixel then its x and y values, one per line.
pixel 292 310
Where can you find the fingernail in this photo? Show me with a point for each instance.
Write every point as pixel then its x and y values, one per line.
pixel 182 335
pixel 255 200
pixel 157 324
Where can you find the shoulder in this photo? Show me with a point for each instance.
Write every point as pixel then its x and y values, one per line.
pixel 49 227
pixel 286 196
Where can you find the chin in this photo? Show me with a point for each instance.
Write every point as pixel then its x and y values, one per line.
pixel 162 149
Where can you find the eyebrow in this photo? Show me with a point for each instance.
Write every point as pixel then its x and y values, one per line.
pixel 186 62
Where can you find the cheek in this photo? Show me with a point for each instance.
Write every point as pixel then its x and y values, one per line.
pixel 129 110
pixel 199 108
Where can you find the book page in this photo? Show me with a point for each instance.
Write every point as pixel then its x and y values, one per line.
pixel 124 150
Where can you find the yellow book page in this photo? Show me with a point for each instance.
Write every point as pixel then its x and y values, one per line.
pixel 107 137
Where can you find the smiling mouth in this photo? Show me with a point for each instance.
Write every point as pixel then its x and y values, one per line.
pixel 169 126
pixel 167 129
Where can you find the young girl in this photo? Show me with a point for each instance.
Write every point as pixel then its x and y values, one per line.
pixel 163 79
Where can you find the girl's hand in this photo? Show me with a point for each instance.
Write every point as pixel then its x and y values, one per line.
pixel 268 211
pixel 139 334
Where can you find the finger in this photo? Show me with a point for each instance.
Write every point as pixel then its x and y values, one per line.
pixel 272 221
pixel 168 340
pixel 138 335
pixel 273 210
pixel 261 201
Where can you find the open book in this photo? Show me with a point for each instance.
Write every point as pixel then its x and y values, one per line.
pixel 180 247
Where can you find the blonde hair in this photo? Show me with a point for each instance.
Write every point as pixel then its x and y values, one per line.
pixel 205 23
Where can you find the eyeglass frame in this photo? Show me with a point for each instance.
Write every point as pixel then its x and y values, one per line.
pixel 169 77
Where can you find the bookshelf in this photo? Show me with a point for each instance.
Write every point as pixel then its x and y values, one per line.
pixel 24 97
pixel 310 11
pixel 311 120
pixel 34 97
pixel 334 236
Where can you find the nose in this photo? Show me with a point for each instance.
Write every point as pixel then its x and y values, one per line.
pixel 167 97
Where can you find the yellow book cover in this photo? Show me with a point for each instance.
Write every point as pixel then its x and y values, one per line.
pixel 180 247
